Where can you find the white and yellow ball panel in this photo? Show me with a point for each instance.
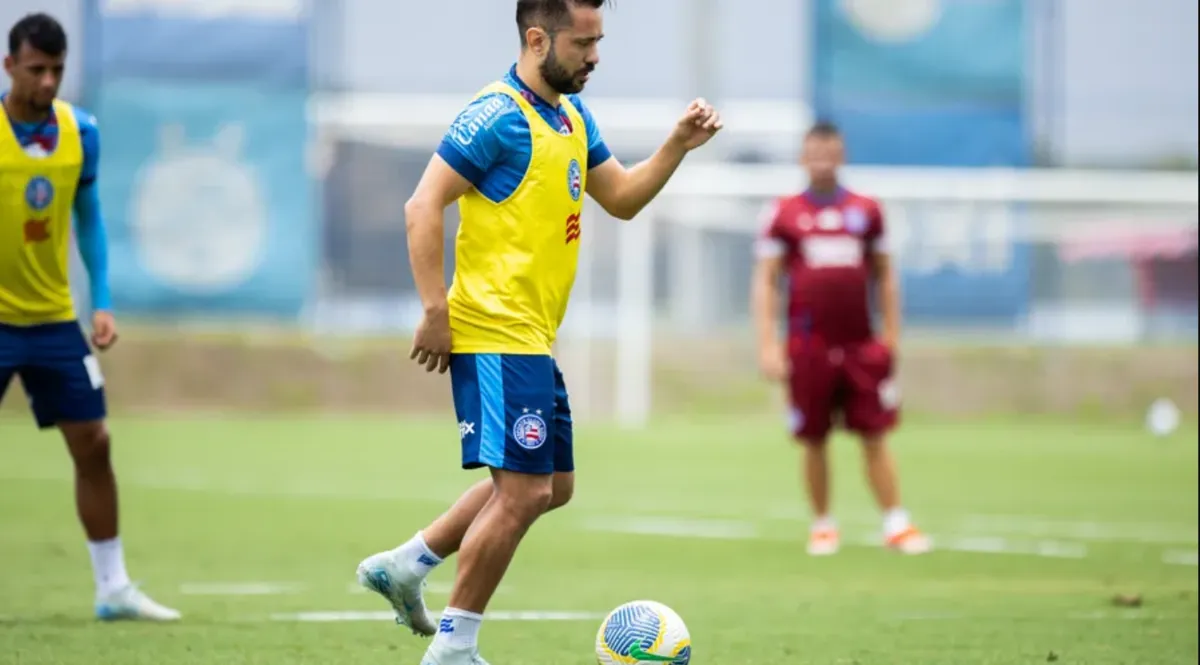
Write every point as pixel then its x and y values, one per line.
pixel 643 632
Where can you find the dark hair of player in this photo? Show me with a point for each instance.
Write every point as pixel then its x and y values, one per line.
pixel 41 31
pixel 549 15
pixel 824 129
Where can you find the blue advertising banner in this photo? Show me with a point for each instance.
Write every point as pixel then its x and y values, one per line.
pixel 208 199
pixel 202 106
pixel 924 82
pixel 965 265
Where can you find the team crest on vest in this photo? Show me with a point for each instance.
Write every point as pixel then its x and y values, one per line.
pixel 575 180
pixel 529 431
pixel 39 193
pixel 856 221
pixel 830 219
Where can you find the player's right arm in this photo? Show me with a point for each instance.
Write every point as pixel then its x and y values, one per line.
pixel 425 218
pixel 475 143
pixel 624 192
pixel 770 252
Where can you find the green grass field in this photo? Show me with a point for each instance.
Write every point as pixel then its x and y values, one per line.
pixel 247 525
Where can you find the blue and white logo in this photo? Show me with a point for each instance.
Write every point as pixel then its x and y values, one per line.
pixel 796 420
pixel 529 431
pixel 575 180
pixel 856 221
pixel 39 193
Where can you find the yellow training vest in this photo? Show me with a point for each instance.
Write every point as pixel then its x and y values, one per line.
pixel 37 195
pixel 515 260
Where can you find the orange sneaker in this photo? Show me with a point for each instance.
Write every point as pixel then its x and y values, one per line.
pixel 824 542
pixel 909 541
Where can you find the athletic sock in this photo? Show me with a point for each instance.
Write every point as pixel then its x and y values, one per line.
pixel 458 629
pixel 108 565
pixel 824 523
pixel 419 557
pixel 895 521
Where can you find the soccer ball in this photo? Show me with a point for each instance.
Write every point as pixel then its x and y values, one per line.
pixel 643 633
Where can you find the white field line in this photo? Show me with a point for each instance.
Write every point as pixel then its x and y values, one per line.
pixel 733 530
pixel 1181 557
pixel 528 615
pixel 1116 615
pixel 1148 532
pixel 687 528
pixel 1030 526
pixel 335 616
pixel 240 588
pixel 971 525
pixel 288 588
pixel 1050 549
pixel 304 487
pixel 967 528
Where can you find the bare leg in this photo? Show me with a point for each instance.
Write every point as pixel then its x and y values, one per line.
pixel 95 482
pixel 486 507
pixel 816 474
pixel 881 471
pixel 96 501
pixel 491 541
pixel 898 529
pixel 445 535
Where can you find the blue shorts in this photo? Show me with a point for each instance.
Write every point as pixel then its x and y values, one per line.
pixel 513 413
pixel 56 366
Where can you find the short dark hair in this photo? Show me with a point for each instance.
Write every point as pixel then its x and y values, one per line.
pixel 41 31
pixel 550 15
pixel 823 129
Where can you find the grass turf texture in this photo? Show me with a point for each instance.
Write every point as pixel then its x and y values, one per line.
pixel 1044 523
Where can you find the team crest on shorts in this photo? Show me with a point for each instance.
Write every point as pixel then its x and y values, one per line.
pixel 856 221
pixel 529 431
pixel 575 180
pixel 39 193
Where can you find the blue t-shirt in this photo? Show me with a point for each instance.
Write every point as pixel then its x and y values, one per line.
pixel 490 144
pixel 89 225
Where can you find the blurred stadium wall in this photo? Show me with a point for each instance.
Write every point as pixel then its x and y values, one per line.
pixel 257 155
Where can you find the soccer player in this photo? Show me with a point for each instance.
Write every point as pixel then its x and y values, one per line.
pixel 517 160
pixel 832 246
pixel 49 153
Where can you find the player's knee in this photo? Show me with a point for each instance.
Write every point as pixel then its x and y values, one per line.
pixel 814 445
pixel 90 447
pixel 524 497
pixel 563 490
pixel 874 444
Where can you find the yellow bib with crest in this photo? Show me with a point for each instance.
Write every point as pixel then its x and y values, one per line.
pixel 515 260
pixel 37 195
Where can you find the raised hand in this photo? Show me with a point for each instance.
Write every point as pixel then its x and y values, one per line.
pixel 700 122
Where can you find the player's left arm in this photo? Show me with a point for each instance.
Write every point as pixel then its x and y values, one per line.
pixel 624 192
pixel 90 233
pixel 887 283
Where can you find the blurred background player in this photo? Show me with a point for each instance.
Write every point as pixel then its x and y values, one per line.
pixel 517 160
pixel 49 152
pixel 830 244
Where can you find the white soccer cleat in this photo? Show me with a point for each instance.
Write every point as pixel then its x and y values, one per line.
pixel 385 574
pixel 130 604
pixel 910 541
pixel 824 542
pixel 445 656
